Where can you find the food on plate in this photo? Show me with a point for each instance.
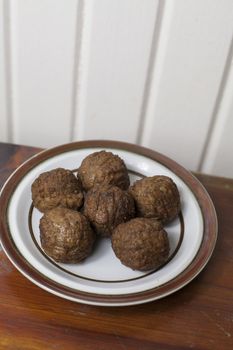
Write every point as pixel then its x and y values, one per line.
pixel 57 188
pixel 156 197
pixel 141 244
pixel 103 168
pixel 133 217
pixel 106 207
pixel 66 235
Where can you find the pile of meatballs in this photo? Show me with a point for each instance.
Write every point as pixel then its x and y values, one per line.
pixel 99 201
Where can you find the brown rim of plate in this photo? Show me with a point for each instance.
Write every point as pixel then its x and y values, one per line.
pixel 197 264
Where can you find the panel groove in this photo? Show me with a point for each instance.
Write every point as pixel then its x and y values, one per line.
pixel 216 108
pixel 8 67
pixel 76 70
pixel 151 64
pixel 84 29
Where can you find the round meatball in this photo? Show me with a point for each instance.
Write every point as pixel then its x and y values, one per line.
pixel 57 188
pixel 141 244
pixel 66 235
pixel 103 168
pixel 106 207
pixel 156 197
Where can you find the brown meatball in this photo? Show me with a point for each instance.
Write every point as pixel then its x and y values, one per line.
pixel 66 235
pixel 103 168
pixel 141 244
pixel 156 197
pixel 57 188
pixel 106 207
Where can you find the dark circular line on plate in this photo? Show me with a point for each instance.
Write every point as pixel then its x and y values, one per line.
pixel 136 173
pixel 74 170
pixel 130 171
pixel 97 280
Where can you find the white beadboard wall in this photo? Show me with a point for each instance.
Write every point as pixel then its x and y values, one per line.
pixel 188 67
pixel 158 73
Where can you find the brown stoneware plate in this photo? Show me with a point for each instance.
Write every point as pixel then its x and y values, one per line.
pixel 101 279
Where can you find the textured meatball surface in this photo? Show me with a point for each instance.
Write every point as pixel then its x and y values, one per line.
pixel 141 244
pixel 156 197
pixel 57 188
pixel 107 206
pixel 103 168
pixel 66 235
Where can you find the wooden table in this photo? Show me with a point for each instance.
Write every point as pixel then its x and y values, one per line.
pixel 199 316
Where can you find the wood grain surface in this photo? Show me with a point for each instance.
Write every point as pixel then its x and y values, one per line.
pixel 199 316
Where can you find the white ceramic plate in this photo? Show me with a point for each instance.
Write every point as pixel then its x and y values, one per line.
pixel 101 279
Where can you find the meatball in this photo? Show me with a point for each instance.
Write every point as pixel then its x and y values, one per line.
pixel 106 207
pixel 66 235
pixel 57 188
pixel 156 197
pixel 103 168
pixel 141 244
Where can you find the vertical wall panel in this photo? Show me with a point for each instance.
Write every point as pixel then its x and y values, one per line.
pixel 219 155
pixel 42 48
pixel 190 56
pixel 3 75
pixel 115 51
